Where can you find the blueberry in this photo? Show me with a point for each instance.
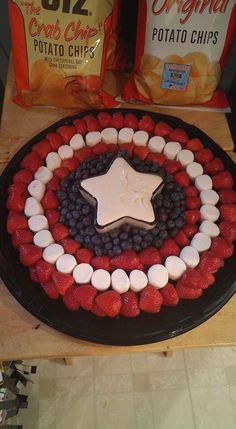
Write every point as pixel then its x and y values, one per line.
pixel 87 240
pixel 158 242
pixel 117 250
pixel 108 246
pixel 90 231
pixel 163 234
pixel 79 238
pixel 170 224
pixel 98 251
pixel 137 238
pixel 116 241
pixel 85 209
pixel 162 217
pixel 96 239
pixel 105 238
pixel 73 231
pixel 114 233
pixel 123 236
pixel 86 221
pixel 72 222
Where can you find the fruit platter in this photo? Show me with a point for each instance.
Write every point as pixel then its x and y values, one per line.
pixel 118 226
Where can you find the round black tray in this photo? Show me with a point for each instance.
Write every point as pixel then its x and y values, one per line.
pixel 146 328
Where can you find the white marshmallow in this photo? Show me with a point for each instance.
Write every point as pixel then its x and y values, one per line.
pixel 92 138
pixel 37 189
pixel 158 275
pixel 43 238
pixel 209 213
pixel 171 149
pixel 203 182
pixel 66 263
pixel 209 197
pixel 194 169
pixel 209 228
pixel 109 135
pixel 32 207
pixel 120 281
pixel 175 267
pixel 77 142
pixel 125 135
pixel 138 280
pixel 156 144
pixel 52 253
pixel 43 174
pixel 201 242
pixel 185 157
pixel 190 256
pixel 65 151
pixel 140 138
pixel 101 279
pixel 53 161
pixel 37 223
pixel 82 273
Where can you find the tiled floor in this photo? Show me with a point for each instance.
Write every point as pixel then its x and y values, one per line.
pixel 194 389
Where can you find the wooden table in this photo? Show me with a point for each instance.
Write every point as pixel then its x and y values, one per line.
pixel 20 336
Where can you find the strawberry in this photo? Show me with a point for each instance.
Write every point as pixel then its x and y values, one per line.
pixel 59 231
pixel 16 220
pixel 192 216
pixel 210 262
pixel 222 248
pixel 55 140
pixel 20 188
pixel 92 123
pixel 70 246
pixel 50 289
pixel 83 153
pixel 33 274
pixel 228 212
pixel 86 296
pixel 21 236
pixel 97 310
pixel 49 200
pixel 54 184
pixel 109 302
pixel 209 277
pixel 192 279
pixel 101 262
pixel 131 121
pixel 44 271
pixel 29 254
pixel 70 298
pixel 80 126
pixel 169 247
pixel 214 167
pixel 66 132
pixel 141 152
pixel 70 164
pixel 191 191
pixel 192 203
pixel 104 120
pixel 162 129
pixel 169 295
pixel 150 299
pixel 112 147
pixel 117 120
pixel 146 124
pixel 84 255
pixel 130 307
pixel 23 176
pixel 129 147
pixel 194 145
pixel 127 260
pixel 181 239
pixel 100 148
pixel 42 148
pixel 61 172
pixel 188 293
pixel 182 178
pixel 15 202
pixel 157 158
pixel 62 282
pixel 179 135
pixel 190 230
pixel 228 230
pixel 172 166
pixel 31 162
pixel 227 196
pixel 149 256
pixel 223 180
pixel 204 155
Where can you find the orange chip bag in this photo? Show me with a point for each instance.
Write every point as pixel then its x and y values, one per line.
pixel 59 52
pixel 182 47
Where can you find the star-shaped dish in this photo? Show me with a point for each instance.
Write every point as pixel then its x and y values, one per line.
pixel 122 195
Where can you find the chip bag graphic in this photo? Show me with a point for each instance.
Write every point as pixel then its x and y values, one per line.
pixel 59 52
pixel 181 51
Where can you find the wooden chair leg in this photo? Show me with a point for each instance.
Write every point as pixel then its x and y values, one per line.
pixel 169 353
pixel 68 361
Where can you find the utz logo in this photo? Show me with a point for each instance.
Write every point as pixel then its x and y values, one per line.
pixel 75 7
pixel 188 7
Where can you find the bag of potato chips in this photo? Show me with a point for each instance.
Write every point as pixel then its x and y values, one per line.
pixel 116 53
pixel 182 47
pixel 59 52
